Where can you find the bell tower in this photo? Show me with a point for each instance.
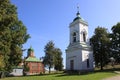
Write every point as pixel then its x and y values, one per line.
pixel 79 55
pixel 78 30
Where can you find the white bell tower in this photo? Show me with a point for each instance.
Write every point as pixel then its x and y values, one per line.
pixel 79 55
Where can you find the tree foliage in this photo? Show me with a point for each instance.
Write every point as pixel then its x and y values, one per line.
pixel 58 59
pixel 1 62
pixel 48 59
pixel 52 57
pixel 100 43
pixel 115 41
pixel 13 34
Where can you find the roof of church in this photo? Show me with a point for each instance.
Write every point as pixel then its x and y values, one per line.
pixel 32 59
pixel 77 17
pixel 31 49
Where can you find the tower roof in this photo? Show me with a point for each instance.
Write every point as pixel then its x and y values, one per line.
pixel 77 16
pixel 31 49
pixel 30 52
pixel 78 19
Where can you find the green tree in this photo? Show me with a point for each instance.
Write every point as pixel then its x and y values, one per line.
pixel 53 57
pixel 115 40
pixel 26 69
pixel 1 62
pixel 19 37
pixel 100 43
pixel 48 59
pixel 13 34
pixel 58 59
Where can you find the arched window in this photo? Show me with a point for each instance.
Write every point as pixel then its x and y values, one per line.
pixel 74 37
pixel 84 37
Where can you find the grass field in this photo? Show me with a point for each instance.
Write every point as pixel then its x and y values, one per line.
pixel 62 76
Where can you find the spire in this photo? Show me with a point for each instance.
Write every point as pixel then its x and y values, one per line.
pixel 31 47
pixel 77 8
pixel 78 14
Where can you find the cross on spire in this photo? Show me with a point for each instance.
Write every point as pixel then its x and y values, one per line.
pixel 78 14
pixel 77 7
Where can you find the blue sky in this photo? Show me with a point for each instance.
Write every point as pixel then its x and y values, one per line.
pixel 49 19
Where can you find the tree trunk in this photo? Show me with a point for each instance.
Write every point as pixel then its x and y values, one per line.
pixel 101 60
pixel 49 70
pixel 2 74
pixel 101 65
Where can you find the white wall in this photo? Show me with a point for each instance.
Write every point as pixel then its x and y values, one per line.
pixel 76 56
pixel 17 72
pixel 86 54
pixel 76 50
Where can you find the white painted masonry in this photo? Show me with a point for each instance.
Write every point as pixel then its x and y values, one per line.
pixel 79 55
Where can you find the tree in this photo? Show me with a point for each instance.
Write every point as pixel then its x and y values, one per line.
pixel 13 34
pixel 115 40
pixel 26 69
pixel 53 57
pixel 100 44
pixel 58 59
pixel 1 62
pixel 48 59
pixel 19 37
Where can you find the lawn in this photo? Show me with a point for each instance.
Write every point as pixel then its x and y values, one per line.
pixel 62 76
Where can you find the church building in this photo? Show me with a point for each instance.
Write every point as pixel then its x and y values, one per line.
pixel 79 55
pixel 35 65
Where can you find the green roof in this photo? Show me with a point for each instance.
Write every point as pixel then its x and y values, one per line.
pixel 32 59
pixel 17 67
pixel 31 49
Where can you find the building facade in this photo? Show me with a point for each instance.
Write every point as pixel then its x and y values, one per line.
pixel 35 65
pixel 17 71
pixel 79 55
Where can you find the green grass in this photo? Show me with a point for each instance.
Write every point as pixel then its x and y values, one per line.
pixel 62 76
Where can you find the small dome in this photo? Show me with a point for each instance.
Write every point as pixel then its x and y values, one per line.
pixel 30 49
pixel 30 52
pixel 78 16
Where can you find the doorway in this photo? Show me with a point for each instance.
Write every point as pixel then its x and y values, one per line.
pixel 71 64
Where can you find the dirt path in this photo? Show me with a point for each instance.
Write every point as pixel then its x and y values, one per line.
pixel 113 78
